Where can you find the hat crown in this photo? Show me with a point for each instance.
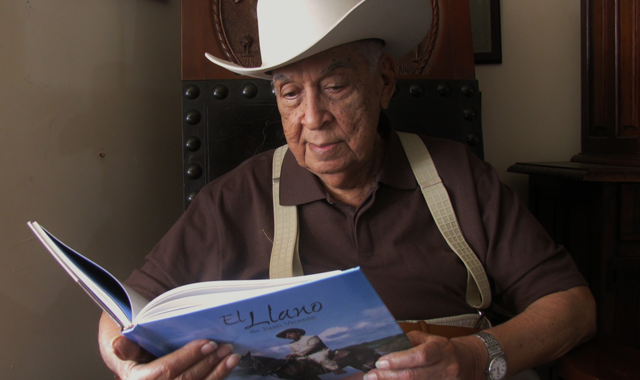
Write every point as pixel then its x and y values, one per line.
pixel 288 27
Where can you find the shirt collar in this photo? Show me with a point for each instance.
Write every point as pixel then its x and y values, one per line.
pixel 395 170
pixel 299 186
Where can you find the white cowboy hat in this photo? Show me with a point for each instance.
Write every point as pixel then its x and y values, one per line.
pixel 291 30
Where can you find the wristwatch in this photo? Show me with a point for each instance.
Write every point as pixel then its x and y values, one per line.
pixel 497 368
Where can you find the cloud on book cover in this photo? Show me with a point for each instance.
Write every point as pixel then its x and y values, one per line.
pixel 375 312
pixel 362 330
pixel 334 333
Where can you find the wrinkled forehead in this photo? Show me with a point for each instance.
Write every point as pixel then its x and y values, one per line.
pixel 346 56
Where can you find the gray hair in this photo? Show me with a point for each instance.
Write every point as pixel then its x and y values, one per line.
pixel 371 50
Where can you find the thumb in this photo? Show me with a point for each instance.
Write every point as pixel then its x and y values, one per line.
pixel 126 349
pixel 418 337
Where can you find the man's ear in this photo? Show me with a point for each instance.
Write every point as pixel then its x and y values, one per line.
pixel 388 75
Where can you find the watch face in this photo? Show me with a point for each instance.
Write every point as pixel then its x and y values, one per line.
pixel 498 368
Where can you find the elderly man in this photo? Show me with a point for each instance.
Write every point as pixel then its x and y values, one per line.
pixel 358 204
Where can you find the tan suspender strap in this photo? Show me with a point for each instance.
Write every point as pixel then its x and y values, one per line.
pixel 478 290
pixel 285 260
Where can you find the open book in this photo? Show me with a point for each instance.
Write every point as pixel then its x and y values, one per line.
pixel 340 311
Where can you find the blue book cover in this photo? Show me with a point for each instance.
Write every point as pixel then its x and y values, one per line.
pixel 332 325
pixel 342 314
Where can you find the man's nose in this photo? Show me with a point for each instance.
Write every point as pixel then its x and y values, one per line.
pixel 316 113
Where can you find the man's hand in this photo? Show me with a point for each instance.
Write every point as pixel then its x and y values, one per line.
pixel 198 360
pixel 549 328
pixel 433 357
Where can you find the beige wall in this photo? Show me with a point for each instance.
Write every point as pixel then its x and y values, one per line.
pixel 80 78
pixel 531 102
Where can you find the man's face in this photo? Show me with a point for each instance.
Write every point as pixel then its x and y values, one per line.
pixel 292 335
pixel 330 105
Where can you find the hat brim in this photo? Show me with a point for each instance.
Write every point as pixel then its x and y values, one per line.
pixel 400 24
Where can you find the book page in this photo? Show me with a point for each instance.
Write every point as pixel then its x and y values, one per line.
pixel 101 286
pixel 191 303
pixel 137 301
pixel 205 295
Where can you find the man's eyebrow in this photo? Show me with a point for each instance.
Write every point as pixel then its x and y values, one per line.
pixel 335 66
pixel 278 77
pixel 327 70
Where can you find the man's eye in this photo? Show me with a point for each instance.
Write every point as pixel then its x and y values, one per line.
pixel 289 94
pixel 335 88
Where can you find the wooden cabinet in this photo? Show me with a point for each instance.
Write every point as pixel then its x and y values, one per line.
pixel 594 211
pixel 610 82
pixel 592 203
pixel 601 359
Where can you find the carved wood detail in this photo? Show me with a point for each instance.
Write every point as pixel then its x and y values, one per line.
pixel 415 62
pixel 236 28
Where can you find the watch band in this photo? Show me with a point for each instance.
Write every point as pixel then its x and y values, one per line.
pixel 491 342
pixel 497 367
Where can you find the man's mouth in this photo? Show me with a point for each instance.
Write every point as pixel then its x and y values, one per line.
pixel 322 148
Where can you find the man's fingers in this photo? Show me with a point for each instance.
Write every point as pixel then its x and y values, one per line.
pixel 197 358
pixel 427 351
pixel 200 359
pixel 222 371
pixel 431 357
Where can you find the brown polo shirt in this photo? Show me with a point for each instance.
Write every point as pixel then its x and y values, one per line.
pixel 227 233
